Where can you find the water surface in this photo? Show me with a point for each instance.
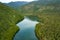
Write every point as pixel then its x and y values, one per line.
pixel 27 28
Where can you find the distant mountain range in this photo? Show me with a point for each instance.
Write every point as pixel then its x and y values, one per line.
pixel 40 2
pixel 16 4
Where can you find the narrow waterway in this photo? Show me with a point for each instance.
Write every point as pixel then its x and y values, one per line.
pixel 26 32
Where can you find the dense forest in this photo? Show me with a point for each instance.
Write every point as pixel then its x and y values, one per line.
pixel 8 19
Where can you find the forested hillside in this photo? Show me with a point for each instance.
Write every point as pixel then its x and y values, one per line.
pixel 8 19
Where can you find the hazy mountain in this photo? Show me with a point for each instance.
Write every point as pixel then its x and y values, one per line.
pixel 16 4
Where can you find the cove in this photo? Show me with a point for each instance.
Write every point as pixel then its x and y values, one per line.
pixel 27 28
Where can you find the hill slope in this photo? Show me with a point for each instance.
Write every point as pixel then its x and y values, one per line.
pixel 8 19
pixel 41 5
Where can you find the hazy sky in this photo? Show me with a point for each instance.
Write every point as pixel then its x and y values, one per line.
pixel 6 1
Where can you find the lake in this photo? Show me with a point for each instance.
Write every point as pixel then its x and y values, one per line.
pixel 26 32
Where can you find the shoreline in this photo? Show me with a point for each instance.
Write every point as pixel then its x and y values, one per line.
pixel 15 33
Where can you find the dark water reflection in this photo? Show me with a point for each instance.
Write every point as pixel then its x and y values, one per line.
pixel 26 32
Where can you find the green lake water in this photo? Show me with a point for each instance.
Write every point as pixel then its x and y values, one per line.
pixel 26 32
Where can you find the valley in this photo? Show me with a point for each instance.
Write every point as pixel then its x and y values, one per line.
pixel 46 12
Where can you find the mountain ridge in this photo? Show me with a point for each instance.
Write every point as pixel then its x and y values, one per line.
pixel 16 4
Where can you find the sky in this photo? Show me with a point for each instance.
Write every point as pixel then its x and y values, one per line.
pixel 7 1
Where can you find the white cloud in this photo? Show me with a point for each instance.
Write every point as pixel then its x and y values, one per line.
pixel 6 1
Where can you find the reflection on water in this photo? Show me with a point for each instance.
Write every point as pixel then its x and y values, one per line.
pixel 26 32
